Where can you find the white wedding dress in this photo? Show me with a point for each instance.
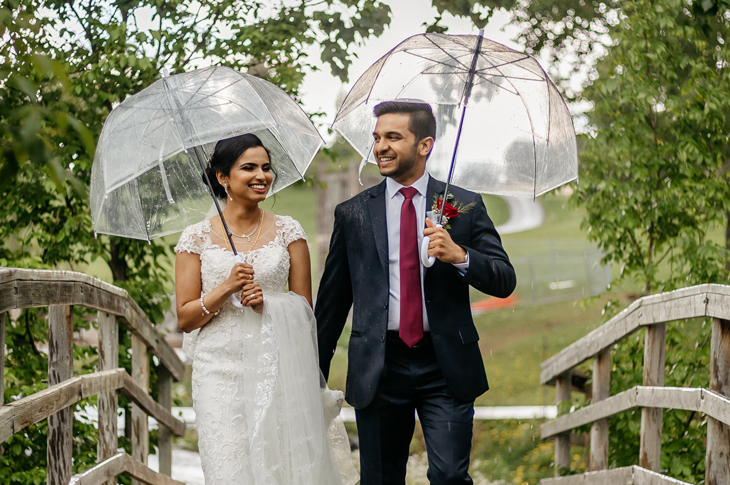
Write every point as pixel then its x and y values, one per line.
pixel 261 416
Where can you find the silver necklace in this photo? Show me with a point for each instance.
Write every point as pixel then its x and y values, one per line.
pixel 247 237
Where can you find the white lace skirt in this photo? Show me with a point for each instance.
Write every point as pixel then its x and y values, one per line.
pixel 258 402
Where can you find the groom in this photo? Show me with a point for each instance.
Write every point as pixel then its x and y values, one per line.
pixel 413 346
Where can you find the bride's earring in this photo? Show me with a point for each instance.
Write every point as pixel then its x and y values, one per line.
pixel 225 187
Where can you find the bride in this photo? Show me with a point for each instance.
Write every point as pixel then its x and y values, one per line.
pixel 261 413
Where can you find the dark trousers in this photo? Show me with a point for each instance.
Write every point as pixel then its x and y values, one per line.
pixel 412 382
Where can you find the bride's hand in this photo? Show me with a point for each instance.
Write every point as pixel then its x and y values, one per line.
pixel 241 275
pixel 253 297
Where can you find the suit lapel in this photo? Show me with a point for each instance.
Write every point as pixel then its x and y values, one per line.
pixel 434 187
pixel 376 208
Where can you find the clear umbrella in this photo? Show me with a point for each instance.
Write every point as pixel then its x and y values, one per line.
pixel 147 177
pixel 516 138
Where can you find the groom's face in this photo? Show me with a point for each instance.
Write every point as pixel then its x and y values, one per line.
pixel 396 149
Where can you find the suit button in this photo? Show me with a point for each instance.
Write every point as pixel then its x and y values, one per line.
pixel 382 339
pixel 385 306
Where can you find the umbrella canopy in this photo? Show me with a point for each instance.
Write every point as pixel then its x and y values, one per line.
pixel 146 178
pixel 517 138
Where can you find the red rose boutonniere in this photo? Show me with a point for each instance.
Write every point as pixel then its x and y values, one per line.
pixel 450 210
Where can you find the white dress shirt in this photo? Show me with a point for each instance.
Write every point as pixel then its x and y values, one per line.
pixel 393 202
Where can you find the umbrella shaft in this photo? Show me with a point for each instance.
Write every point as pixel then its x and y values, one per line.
pixel 467 93
pixel 197 151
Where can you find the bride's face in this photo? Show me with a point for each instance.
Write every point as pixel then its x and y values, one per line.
pixel 250 177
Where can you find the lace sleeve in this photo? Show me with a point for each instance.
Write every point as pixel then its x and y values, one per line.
pixel 291 230
pixel 191 240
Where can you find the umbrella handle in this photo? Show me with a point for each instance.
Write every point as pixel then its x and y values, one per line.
pixel 427 260
pixel 235 301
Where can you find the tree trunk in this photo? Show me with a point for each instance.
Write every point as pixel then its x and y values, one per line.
pixel 117 263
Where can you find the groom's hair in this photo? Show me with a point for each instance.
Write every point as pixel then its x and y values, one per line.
pixel 422 122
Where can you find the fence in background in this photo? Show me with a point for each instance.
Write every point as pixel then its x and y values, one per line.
pixel 60 291
pixel 550 270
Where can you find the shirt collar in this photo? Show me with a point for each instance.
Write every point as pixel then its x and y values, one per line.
pixel 392 187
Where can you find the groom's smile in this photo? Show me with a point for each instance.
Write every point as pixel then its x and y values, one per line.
pixel 395 149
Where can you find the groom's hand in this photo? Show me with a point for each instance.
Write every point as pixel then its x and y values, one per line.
pixel 442 246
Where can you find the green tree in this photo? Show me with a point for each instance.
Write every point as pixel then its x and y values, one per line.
pixel 65 65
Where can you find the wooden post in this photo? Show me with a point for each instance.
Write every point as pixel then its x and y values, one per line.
pixel 651 418
pixel 140 375
pixel 599 429
pixel 60 368
pixel 562 441
pixel 717 458
pixel 164 435
pixel 2 364
pixel 107 442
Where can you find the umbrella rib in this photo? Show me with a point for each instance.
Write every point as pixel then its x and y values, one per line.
pixel 507 63
pixel 380 69
pixel 445 52
pixel 200 86
pixel 434 61
pixel 209 95
pixel 497 85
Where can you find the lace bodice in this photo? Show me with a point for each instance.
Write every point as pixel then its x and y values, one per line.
pixel 270 262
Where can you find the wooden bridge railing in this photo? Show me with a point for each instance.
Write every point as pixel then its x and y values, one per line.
pixel 60 290
pixel 652 312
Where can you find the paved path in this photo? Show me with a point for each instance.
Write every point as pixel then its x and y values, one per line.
pixel 524 214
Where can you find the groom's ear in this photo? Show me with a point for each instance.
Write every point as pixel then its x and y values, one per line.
pixel 425 146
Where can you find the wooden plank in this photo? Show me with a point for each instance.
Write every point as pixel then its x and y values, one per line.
pixel 562 441
pixel 107 442
pixel 617 476
pixel 164 434
pixel 121 463
pixel 599 429
pixel 140 376
pixel 34 408
pixel 2 363
pixel 687 399
pixel 150 407
pixel 60 368
pixel 104 472
pixel 24 288
pixel 650 448
pixel 717 457
pixel 631 475
pixel 696 301
pixel 22 413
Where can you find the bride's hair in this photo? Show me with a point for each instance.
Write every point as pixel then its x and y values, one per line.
pixel 225 155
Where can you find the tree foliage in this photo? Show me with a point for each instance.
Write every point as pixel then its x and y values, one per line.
pixel 65 65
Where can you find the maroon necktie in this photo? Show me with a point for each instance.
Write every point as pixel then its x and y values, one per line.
pixel 411 308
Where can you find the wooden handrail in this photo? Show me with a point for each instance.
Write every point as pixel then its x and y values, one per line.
pixel 708 300
pixel 39 406
pixel 26 288
pixel 630 475
pixel 687 399
pixel 121 463
pixel 652 312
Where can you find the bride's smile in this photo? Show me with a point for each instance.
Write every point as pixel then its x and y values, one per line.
pixel 250 177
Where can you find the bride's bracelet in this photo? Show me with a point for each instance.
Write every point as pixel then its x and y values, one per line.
pixel 205 310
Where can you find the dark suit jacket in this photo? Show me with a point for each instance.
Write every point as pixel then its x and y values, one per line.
pixel 356 272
